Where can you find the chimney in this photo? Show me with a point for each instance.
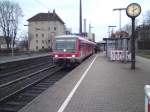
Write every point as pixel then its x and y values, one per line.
pixel 80 18
pixel 53 10
pixel 54 14
pixel 84 25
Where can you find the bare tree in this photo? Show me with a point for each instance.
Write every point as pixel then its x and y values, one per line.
pixel 25 40
pixel 10 14
pixel 128 28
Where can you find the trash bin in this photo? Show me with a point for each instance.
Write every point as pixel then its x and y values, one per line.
pixel 147 98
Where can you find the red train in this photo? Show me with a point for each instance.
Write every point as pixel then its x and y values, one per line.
pixel 71 49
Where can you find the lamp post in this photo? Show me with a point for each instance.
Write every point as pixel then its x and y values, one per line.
pixel 90 27
pixel 133 10
pixel 28 38
pixel 12 38
pixel 110 26
pixel 119 9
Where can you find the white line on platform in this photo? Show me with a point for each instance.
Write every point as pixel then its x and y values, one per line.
pixel 65 103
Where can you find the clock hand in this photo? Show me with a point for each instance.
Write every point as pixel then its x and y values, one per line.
pixel 135 9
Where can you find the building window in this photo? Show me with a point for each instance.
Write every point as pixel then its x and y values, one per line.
pixel 36 47
pixel 36 41
pixel 36 35
pixel 48 28
pixel 55 28
pixel 42 34
pixel 43 41
pixel 37 28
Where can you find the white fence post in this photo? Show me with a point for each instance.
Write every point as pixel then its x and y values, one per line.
pixel 147 98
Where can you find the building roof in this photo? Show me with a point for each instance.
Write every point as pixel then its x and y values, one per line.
pixel 46 17
pixel 127 38
pixel 101 42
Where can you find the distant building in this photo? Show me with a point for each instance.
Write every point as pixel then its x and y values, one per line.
pixel 119 34
pixel 102 45
pixel 42 28
pixel 3 44
pixel 68 31
pixel 142 33
pixel 91 37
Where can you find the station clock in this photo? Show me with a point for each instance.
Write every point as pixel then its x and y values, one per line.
pixel 133 10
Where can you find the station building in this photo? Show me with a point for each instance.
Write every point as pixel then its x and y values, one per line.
pixel 42 28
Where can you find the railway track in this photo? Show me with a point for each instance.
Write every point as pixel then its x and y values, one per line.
pixel 25 89
pixel 13 86
pixel 7 77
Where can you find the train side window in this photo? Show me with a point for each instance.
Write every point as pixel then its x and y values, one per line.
pixel 81 46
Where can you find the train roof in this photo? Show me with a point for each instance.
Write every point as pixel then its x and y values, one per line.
pixel 75 36
pixel 67 36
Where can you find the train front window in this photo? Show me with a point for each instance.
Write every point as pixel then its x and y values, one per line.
pixel 66 45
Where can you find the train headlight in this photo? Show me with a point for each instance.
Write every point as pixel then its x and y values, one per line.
pixel 73 56
pixel 56 55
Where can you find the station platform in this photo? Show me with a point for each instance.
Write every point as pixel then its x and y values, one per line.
pixel 6 59
pixel 97 85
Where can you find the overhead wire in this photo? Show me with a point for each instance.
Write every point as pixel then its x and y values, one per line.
pixel 42 4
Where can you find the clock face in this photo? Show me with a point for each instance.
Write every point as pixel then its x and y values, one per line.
pixel 133 10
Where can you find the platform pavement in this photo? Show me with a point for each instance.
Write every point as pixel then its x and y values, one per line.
pixel 107 87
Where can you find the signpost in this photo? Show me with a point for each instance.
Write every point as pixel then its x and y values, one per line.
pixel 133 10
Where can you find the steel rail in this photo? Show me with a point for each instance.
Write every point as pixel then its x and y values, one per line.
pixel 21 78
pixel 25 87
pixel 20 70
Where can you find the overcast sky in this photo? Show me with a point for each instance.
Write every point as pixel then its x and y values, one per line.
pixel 97 12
